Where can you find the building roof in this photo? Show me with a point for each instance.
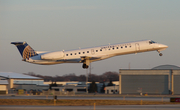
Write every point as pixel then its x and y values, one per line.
pixel 16 76
pixel 167 67
pixel 3 82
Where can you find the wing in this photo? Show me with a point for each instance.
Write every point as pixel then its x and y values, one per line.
pixel 93 57
pixel 89 58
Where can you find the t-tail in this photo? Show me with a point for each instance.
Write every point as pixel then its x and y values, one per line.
pixel 25 50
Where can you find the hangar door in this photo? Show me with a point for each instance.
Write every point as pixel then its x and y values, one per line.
pixel 176 84
pixel 2 89
pixel 151 84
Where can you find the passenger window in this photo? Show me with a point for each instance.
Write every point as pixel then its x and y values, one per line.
pixel 87 51
pixel 83 52
pixel 96 50
pixel 130 46
pixel 121 47
pixel 113 48
pixel 71 53
pixel 117 48
pixel 125 46
pixel 79 52
pixel 74 53
pixel 100 49
pixel 66 54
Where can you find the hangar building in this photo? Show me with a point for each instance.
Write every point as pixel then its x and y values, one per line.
pixel 14 81
pixel 163 79
pixel 3 87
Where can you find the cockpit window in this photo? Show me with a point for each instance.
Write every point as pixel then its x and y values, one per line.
pixel 151 42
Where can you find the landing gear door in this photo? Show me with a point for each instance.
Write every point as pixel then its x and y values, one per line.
pixel 137 47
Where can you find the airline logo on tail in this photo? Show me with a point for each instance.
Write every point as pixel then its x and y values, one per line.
pixel 25 50
pixel 28 52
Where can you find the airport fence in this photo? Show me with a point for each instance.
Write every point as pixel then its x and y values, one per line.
pixel 48 92
pixel 53 92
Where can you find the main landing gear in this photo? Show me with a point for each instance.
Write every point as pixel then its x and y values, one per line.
pixel 84 66
pixel 86 62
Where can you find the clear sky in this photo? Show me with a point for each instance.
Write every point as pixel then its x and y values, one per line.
pixel 50 25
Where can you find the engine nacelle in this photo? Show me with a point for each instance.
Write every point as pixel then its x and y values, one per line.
pixel 53 56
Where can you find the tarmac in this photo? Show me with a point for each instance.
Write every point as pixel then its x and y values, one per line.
pixel 109 107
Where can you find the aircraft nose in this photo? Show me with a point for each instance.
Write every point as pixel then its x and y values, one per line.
pixel 163 46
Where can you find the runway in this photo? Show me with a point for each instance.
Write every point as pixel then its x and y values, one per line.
pixel 108 107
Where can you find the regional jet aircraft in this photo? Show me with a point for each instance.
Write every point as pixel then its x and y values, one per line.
pixel 88 55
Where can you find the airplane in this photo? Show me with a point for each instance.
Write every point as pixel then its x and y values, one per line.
pixel 87 55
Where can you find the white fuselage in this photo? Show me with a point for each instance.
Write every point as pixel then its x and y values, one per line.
pixel 96 53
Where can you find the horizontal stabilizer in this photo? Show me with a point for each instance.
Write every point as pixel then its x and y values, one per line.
pixel 18 43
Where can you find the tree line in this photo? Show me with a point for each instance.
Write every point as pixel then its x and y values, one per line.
pixel 107 76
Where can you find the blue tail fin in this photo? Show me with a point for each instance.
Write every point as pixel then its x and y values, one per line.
pixel 25 50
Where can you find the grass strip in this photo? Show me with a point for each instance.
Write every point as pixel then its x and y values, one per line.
pixel 65 102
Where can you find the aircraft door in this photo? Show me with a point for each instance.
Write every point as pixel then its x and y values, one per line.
pixel 137 47
pixel 92 51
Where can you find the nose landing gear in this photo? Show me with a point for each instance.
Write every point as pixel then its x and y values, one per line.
pixel 160 54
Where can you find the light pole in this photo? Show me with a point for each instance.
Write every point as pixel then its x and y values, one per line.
pixel 87 80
